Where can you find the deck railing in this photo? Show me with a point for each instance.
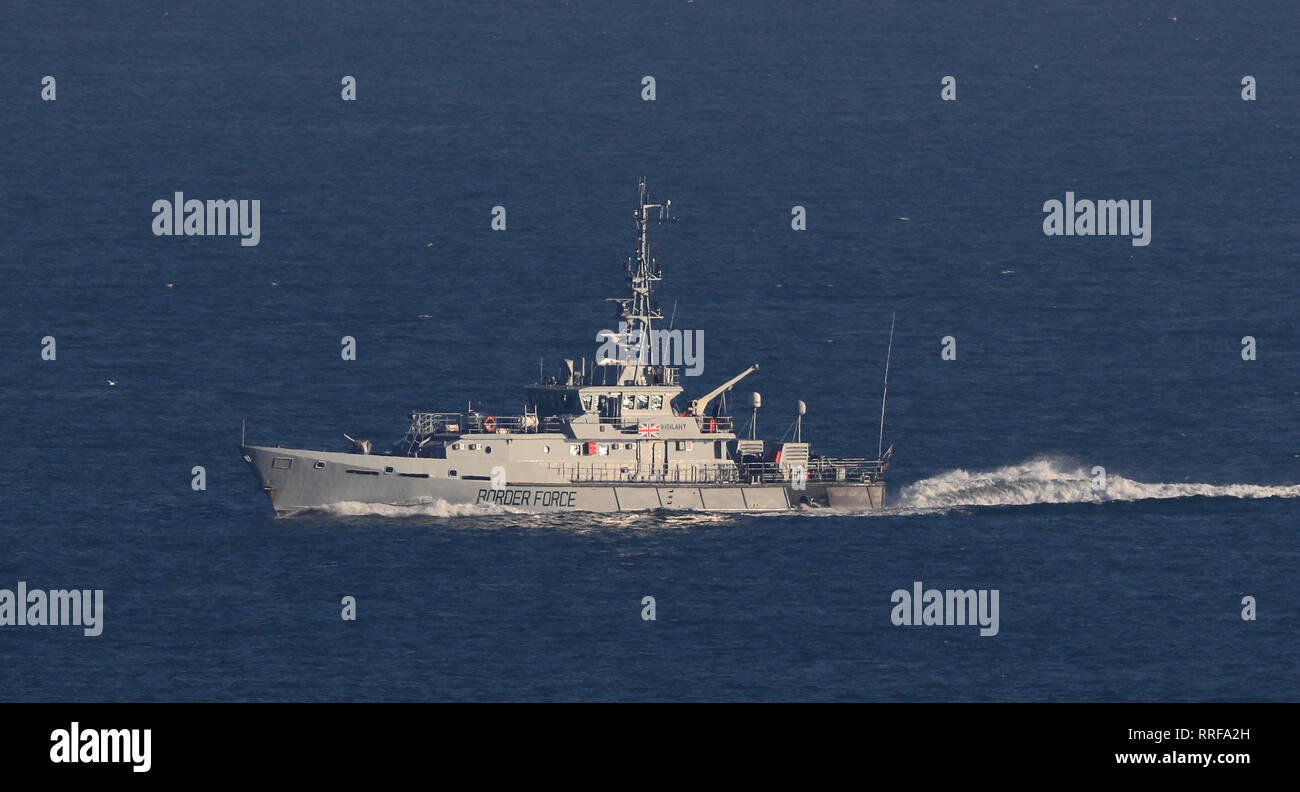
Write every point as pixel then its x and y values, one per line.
pixel 583 472
pixel 424 424
pixel 821 469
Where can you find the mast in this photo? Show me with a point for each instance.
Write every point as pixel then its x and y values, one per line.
pixel 637 311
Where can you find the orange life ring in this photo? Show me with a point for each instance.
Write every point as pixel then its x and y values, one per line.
pixel 489 424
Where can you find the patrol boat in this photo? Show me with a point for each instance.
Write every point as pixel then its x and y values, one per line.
pixel 622 437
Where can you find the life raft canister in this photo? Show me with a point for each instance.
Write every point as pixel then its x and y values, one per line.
pixel 489 424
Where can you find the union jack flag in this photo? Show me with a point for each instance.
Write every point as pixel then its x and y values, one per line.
pixel 648 429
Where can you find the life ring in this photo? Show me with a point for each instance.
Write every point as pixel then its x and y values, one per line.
pixel 489 424
pixel 713 425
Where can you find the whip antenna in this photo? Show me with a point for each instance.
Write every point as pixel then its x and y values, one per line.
pixel 880 440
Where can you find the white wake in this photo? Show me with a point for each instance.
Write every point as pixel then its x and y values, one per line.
pixel 436 508
pixel 1055 481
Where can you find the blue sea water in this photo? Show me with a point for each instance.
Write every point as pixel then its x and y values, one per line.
pixel 1072 352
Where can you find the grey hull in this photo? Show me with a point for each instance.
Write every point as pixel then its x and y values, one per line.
pixel 297 480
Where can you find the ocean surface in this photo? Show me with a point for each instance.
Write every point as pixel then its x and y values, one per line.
pixel 1071 352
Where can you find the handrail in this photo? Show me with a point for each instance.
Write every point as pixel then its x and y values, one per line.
pixel 431 423
pixel 424 423
pixel 578 472
pixel 822 469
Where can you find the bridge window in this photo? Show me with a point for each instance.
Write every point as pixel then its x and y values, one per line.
pixel 657 401
pixel 609 405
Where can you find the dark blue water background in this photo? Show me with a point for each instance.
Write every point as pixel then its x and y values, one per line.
pixel 1072 352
